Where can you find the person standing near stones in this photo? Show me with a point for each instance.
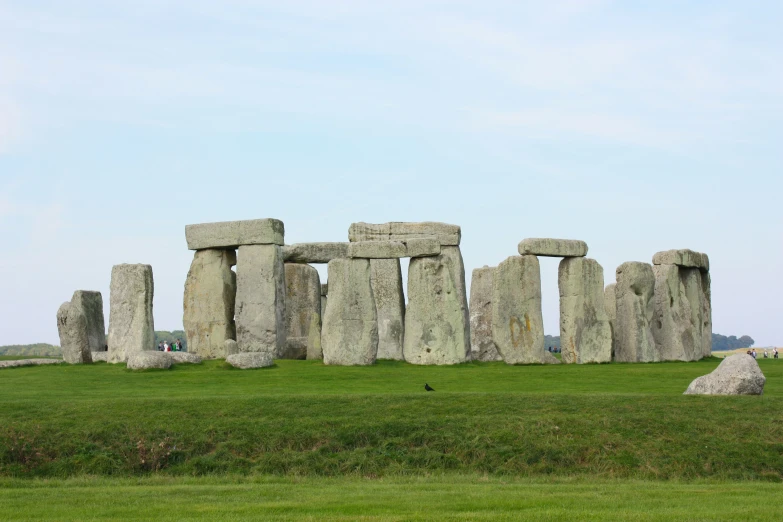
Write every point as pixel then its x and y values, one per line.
pixel 160 346
pixel 166 346
pixel 775 353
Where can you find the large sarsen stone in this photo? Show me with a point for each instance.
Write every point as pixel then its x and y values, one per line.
pixel 232 234
pixel 386 281
pixel 131 325
pixel 91 305
pixel 679 306
pixel 314 252
pixel 447 235
pixel 552 247
pixel 738 374
pixel 634 299
pixel 302 312
pixel 72 327
pixel 482 347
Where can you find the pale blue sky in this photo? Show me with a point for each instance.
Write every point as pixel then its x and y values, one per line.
pixel 635 126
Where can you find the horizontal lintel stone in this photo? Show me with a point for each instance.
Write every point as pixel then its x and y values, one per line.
pixel 414 247
pixel 314 252
pixel 552 247
pixel 446 234
pixel 232 234
pixel 683 257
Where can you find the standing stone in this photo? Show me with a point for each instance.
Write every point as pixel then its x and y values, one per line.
pixel 210 295
pixel 131 325
pixel 260 303
pixel 634 341
pixel 517 321
pixel 74 341
pixel 679 305
pixel 91 305
pixel 437 324
pixel 684 258
pixel 230 347
pixel 302 312
pixel 482 347
pixel 324 299
pixel 706 314
pixel 349 335
pixel 386 281
pixel 585 333
pixel 610 303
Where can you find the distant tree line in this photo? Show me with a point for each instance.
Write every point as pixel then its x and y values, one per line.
pixel 722 343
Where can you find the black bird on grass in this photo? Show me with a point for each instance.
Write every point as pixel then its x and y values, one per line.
pixel 428 387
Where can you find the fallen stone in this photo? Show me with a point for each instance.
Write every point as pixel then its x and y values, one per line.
pixel 91 305
pixel 260 303
pixel 100 357
pixel 231 347
pixel 552 247
pixel 737 374
pixel 314 252
pixel 29 362
pixel 349 335
pixel 610 304
pixel 517 321
pixel 302 313
pixel 72 328
pixel 437 323
pixel 683 257
pixel 209 302
pixel 634 300
pixel 447 235
pixel 131 326
pixel 482 347
pixel 585 334
pixel 250 360
pixel 184 357
pixel 149 359
pixel 386 283
pixel 233 234
pixel 679 303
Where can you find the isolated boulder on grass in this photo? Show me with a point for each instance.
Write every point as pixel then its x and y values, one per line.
pixel 248 360
pixel 736 375
pixel 149 359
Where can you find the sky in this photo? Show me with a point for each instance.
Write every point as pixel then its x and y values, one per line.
pixel 635 126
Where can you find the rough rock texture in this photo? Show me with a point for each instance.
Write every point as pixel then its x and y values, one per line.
pixel 324 300
pixel 422 246
pixel 683 257
pixel 232 234
pixel 738 374
pixel 706 315
pixel 349 335
pixel 634 341
pixel 184 357
pixel 386 282
pixel 585 333
pixel 231 347
pixel 302 313
pixel 131 326
pixel 149 359
pixel 437 323
pixel 29 362
pixel 447 235
pixel 250 360
pixel 610 304
pixel 72 327
pixel 91 304
pixel 678 325
pixel 260 304
pixel 517 321
pixel 314 252
pixel 552 247
pixel 414 247
pixel 100 357
pixel 210 296
pixel 482 347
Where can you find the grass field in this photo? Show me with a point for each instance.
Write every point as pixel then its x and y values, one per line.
pixel 305 440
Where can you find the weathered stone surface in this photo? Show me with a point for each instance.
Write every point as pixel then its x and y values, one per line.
pixel 634 341
pixel 447 235
pixel 585 334
pixel 324 288
pixel 706 314
pixel 683 257
pixel 210 296
pixel 437 323
pixel 149 359
pixel 547 247
pixel 386 282
pixel 260 303
pixel 184 357
pixel 232 234
pixel 738 374
pixel 100 357
pixel 517 321
pixel 91 304
pixel 302 312
pixel 377 249
pixel 231 347
pixel 482 347
pixel 610 304
pixel 250 360
pixel 314 252
pixel 349 335
pixel 131 326
pixel 422 246
pixel 72 327
pixel 679 303
pixel 29 362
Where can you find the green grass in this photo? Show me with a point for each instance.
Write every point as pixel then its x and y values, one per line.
pixel 418 498
pixel 301 418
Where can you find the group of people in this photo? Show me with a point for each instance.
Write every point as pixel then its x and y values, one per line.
pixel 174 346
pixel 554 349
pixel 753 353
